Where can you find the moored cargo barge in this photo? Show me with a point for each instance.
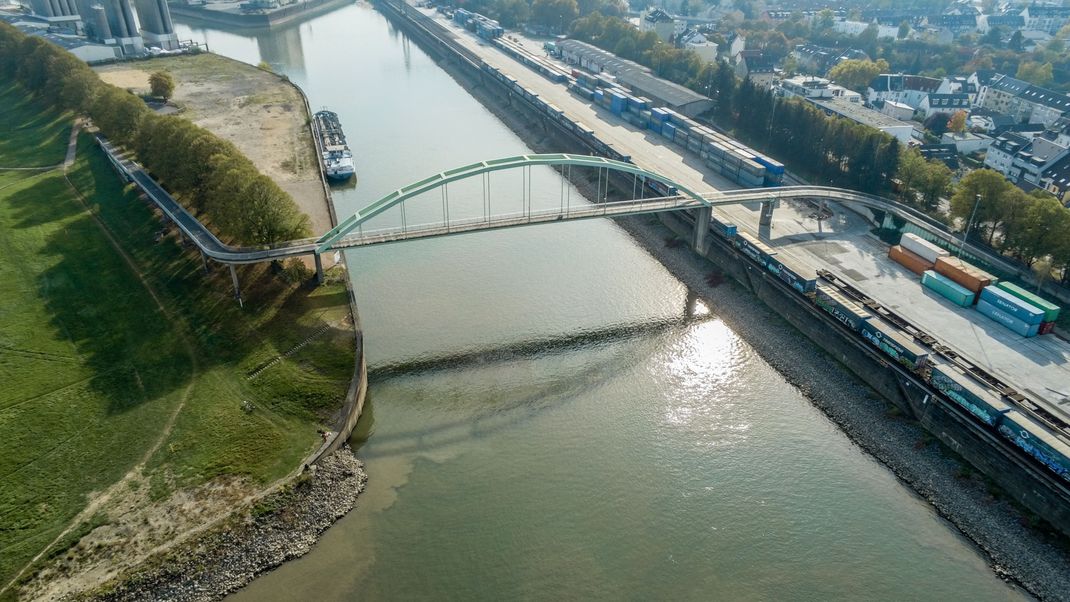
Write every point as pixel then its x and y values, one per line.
pixel 337 158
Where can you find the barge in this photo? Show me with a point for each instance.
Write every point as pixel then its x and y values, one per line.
pixel 337 158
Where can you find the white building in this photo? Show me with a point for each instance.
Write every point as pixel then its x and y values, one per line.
pixel 854 111
pixel 897 110
pixel 807 86
pixel 966 143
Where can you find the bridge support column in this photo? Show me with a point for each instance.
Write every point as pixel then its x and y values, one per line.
pixel 319 268
pixel 766 217
pixel 702 226
pixel 204 262
pixel 237 289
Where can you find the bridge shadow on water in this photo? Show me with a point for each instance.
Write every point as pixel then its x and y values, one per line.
pixel 501 410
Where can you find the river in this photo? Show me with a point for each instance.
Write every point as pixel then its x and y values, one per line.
pixel 551 415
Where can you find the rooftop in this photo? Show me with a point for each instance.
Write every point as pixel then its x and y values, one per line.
pixel 1048 98
pixel 634 75
pixel 859 113
pixel 1008 84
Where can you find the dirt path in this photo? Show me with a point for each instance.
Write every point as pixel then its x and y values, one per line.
pixel 137 471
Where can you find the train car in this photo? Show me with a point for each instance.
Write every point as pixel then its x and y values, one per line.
pixel 894 344
pixel 974 397
pixel 799 277
pixel 1036 441
pixel 725 229
pixel 661 188
pixel 757 250
pixel 845 310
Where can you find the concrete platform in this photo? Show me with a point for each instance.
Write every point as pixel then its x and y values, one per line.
pixel 1039 367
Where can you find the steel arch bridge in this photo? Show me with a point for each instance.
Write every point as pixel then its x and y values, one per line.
pixel 355 221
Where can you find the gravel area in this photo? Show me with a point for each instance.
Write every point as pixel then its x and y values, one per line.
pixel 1038 562
pixel 282 526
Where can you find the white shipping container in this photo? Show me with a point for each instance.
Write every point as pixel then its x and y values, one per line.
pixel 922 248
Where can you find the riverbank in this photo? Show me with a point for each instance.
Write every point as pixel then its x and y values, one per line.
pixel 276 528
pixel 1017 549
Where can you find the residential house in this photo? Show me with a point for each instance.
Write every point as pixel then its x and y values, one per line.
pixel 760 69
pixel 897 110
pixel 818 59
pixel 910 90
pixel 1008 23
pixel 660 22
pixel 1056 179
pixel 945 153
pixel 1040 155
pixel 943 103
pixel 736 43
pixel 956 24
pixel 1001 95
pixel 1002 150
pixel 966 143
pixel 1045 18
pixel 692 40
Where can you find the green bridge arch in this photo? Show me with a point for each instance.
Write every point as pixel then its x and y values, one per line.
pixel 323 244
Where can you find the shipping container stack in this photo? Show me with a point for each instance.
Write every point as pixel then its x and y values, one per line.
pixel 1051 311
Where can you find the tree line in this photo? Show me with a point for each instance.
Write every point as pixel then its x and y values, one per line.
pixel 209 175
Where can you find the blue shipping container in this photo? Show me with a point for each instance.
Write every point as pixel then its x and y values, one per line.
pixel 972 396
pixel 895 345
pixel 803 284
pixel 1016 307
pixel 668 130
pixel 1041 445
pixel 1010 322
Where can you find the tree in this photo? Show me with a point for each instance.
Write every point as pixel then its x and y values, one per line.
pixel 957 123
pixel 1015 43
pixel 994 37
pixel 857 73
pixel 554 15
pixel 867 40
pixel 937 123
pixel 904 30
pixel 1035 73
pixel 162 85
pixel 991 208
pixel 936 183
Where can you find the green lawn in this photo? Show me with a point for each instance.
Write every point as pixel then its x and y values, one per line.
pixel 93 369
pixel 32 135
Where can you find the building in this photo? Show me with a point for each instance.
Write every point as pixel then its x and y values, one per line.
pixel 897 110
pixel 638 78
pixel 910 90
pixel 1001 152
pixel 1008 23
pixel 1000 95
pixel 156 26
pixel 805 86
pixel 1040 155
pixel 956 24
pixel 854 111
pixel 1043 106
pixel 1056 179
pixel 737 43
pixel 944 153
pixel 760 69
pixel 966 143
pixel 943 103
pixel 78 45
pixel 818 59
pixel 1045 18
pixel 659 22
pixel 698 43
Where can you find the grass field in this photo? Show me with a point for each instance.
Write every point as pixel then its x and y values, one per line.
pixel 94 367
pixel 33 136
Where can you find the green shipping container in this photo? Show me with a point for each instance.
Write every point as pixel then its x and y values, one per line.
pixel 1051 311
pixel 947 288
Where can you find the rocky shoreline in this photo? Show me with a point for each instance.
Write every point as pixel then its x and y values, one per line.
pixel 1018 551
pixel 280 527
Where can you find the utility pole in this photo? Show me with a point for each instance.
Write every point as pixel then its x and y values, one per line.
pixel 969 224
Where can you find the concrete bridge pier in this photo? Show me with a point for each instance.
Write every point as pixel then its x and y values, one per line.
pixel 237 288
pixel 702 226
pixel 766 216
pixel 319 268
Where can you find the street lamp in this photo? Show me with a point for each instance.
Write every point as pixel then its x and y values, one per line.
pixel 969 224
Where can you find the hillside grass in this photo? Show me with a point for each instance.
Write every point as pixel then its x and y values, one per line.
pixel 93 369
pixel 31 135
